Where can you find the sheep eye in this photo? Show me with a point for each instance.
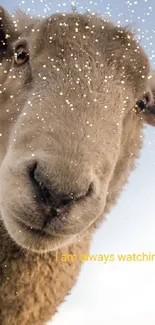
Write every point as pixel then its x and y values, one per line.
pixel 21 56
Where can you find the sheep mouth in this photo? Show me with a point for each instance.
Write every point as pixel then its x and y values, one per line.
pixel 54 222
pixel 39 232
pixel 36 240
pixel 35 231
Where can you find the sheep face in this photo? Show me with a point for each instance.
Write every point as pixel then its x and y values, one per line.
pixel 68 86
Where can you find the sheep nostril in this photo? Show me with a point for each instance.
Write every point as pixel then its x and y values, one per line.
pixel 32 169
pixel 67 199
pixel 90 189
pixel 41 191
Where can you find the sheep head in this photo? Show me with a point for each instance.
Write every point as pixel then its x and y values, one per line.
pixel 69 85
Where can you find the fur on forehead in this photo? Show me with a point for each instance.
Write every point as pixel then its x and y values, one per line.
pixel 63 29
pixel 84 35
pixel 87 34
pixel 25 22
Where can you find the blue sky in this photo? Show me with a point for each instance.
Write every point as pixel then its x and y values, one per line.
pixel 117 293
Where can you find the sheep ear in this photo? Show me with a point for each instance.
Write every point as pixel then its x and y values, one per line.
pixel 148 115
pixel 7 33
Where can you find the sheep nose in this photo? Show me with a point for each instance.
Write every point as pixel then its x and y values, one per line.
pixel 45 194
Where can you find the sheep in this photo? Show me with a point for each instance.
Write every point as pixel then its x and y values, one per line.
pixel 75 94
